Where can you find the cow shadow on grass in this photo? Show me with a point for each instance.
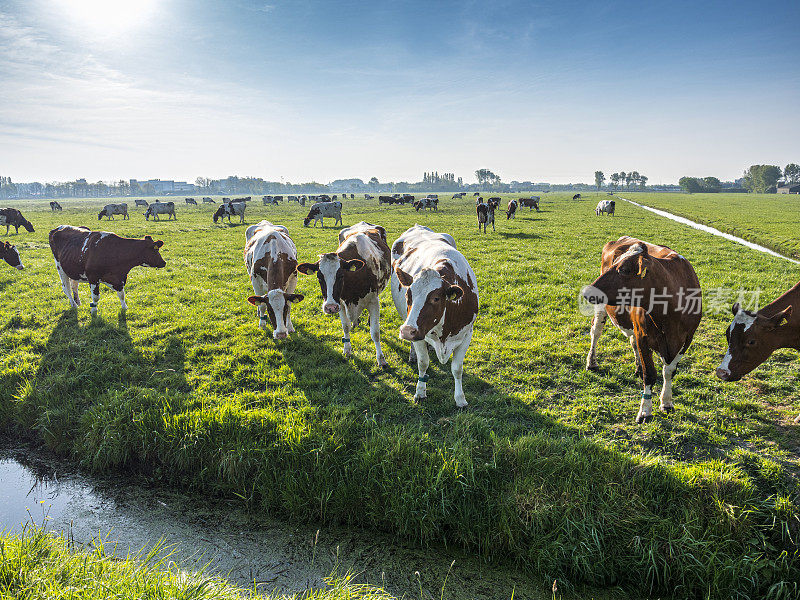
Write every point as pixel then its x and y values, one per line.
pixel 519 235
pixel 91 371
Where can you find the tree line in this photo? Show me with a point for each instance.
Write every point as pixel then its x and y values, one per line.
pixel 632 179
pixel 757 179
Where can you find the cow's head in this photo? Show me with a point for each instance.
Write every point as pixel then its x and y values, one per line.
pixel 151 257
pixel 278 311
pixel 220 212
pixel 752 337
pixel 100 215
pixel 27 225
pixel 629 272
pixel 427 297
pixel 331 269
pixel 10 254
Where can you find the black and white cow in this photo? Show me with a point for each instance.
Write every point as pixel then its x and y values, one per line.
pixel 352 278
pixel 531 203
pixel 605 207
pixel 271 259
pixel 485 215
pixel 191 201
pixel 270 200
pixel 109 210
pixel 142 202
pixel 435 290
pixel 55 206
pixel 229 209
pixel 160 208
pixel 207 200
pixel 10 254
pixel 428 203
pixel 12 217
pixel 320 210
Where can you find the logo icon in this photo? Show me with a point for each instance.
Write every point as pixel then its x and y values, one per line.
pixel 591 300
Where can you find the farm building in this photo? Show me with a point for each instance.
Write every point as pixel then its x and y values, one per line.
pixel 789 188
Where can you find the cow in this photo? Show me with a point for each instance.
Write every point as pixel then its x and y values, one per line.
pixel 427 203
pixel 485 215
pixel 269 200
pixel 333 197
pixel 246 199
pixel 320 210
pixel 323 198
pixel 352 278
pixel 386 200
pixel 271 259
pixel 511 211
pixel 605 207
pixel 652 294
pixel 10 254
pixel 352 196
pixel 191 201
pixel 292 199
pixel 229 209
pixel 226 199
pixel 476 194
pixel 531 203
pixel 302 200
pixel 368 197
pixel 407 198
pixel 11 216
pixel 55 206
pixel 279 198
pixel 160 208
pixel 576 197
pixel 754 336
pixel 207 200
pixel 109 210
pixel 96 257
pixel 142 202
pixel 435 290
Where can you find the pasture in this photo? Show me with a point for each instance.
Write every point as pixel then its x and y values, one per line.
pixel 545 470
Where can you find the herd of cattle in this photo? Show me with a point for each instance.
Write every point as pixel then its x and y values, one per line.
pixel 435 291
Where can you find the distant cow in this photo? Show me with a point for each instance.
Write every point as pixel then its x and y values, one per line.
pixel 55 206
pixel 271 259
pixel 653 296
pixel 160 208
pixel 352 196
pixel 191 201
pixel 10 254
pixel 270 200
pixel 246 199
pixel 476 194
pixel 302 200
pixel 109 210
pixel 435 290
pixel 230 209
pixel 352 278
pixel 142 202
pixel 407 198
pixel 530 203
pixel 576 197
pixel 11 216
pixel 368 197
pixel 96 257
pixel 605 207
pixel 754 336
pixel 207 200
pixel 292 199
pixel 494 202
pixel 320 210
pixel 511 211
pixel 279 198
pixel 486 214
pixel 428 203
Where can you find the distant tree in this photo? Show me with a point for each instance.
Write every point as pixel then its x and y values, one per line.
pixel 599 178
pixel 614 180
pixel 486 176
pixel 642 181
pixel 623 178
pixel 373 181
pixel 791 173
pixel 690 184
pixel 711 184
pixel 762 179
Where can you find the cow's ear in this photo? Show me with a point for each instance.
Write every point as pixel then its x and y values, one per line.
pixel 256 300
pixel 404 278
pixel 782 317
pixel 294 297
pixel 644 262
pixel 735 308
pixel 382 231
pixel 148 238
pixel 454 292
pixel 159 243
pixel 307 268
pixel 353 265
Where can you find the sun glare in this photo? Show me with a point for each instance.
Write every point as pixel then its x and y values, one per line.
pixel 106 16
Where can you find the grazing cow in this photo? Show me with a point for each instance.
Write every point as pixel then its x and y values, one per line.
pixel 511 211
pixel 247 199
pixel 11 216
pixel 494 203
pixel 96 257
pixel 270 200
pixel 476 194
pixel 54 206
pixel 302 200
pixel 576 197
pixel 352 278
pixel 207 200
pixel 279 198
pixel 605 207
pixel 386 200
pixel 160 208
pixel 435 290
pixel 754 336
pixel 10 254
pixel 531 203
pixel 230 209
pixel 407 198
pixel 271 259
pixel 427 203
pixel 226 199
pixel 320 210
pixel 142 202
pixel 486 215
pixel 191 201
pixel 653 295
pixel 109 210
pixel 291 199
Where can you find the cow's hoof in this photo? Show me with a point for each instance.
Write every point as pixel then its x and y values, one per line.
pixel 668 409
pixel 417 397
pixel 383 364
pixel 643 418
pixel 461 402
pixel 593 367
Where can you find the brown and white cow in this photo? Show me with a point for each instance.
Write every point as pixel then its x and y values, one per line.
pixel 352 278
pixel 10 254
pixel 511 212
pixel 12 217
pixel 754 336
pixel 96 257
pixel 436 291
pixel 653 295
pixel 271 259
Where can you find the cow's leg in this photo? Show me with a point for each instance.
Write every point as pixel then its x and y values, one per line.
pixel 457 369
pixel 423 360
pixel 95 287
pixel 347 326
pixel 598 322
pixel 66 286
pixel 375 331
pixel 74 287
pixel 121 295
pixel 649 370
pixel 668 371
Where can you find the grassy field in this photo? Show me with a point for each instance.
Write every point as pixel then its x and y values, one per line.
pixel 546 469
pixel 771 220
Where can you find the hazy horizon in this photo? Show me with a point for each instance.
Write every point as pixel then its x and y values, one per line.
pixel 317 91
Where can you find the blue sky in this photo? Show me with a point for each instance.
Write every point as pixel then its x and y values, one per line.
pixel 546 91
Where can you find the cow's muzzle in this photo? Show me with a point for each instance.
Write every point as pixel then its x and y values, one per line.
pixel 411 334
pixel 726 375
pixel 20 267
pixel 280 335
pixel 330 308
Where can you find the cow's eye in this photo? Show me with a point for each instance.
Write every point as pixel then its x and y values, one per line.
pixel 751 342
pixel 436 298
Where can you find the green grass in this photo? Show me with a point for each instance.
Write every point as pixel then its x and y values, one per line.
pixel 37 565
pixel 771 220
pixel 546 469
